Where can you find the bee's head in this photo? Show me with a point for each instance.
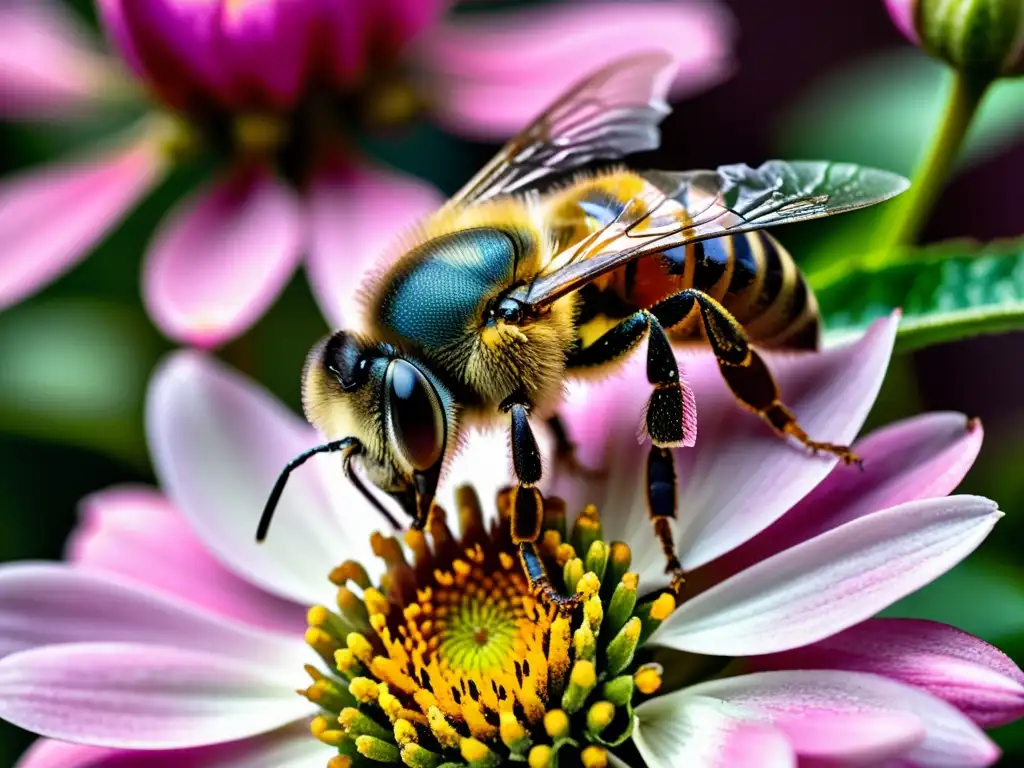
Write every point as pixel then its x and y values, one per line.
pixel 391 404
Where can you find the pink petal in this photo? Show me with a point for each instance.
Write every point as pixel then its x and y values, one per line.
pixel 356 215
pixel 977 678
pixel 854 716
pixel 176 42
pixel 341 43
pixel 923 457
pixel 683 730
pixel 831 582
pixel 222 257
pixel 493 73
pixel 47 603
pixel 49 68
pixel 740 477
pixel 145 697
pixel 111 17
pixel 902 14
pixel 266 46
pixel 289 747
pixel 219 443
pixel 89 196
pixel 139 534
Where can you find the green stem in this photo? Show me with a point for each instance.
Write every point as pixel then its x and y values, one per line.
pixel 908 214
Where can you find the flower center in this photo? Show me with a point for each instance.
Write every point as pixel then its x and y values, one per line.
pixel 452 658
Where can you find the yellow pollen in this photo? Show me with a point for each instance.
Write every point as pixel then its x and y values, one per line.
pixel 340 761
pixel 594 757
pixel 556 724
pixel 663 606
pixel 648 680
pixel 540 756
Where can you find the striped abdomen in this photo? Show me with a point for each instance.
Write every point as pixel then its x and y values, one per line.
pixel 752 275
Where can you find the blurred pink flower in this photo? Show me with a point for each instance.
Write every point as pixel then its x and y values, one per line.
pixel 172 639
pixel 280 90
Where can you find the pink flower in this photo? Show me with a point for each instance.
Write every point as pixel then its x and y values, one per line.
pixel 170 638
pixel 281 91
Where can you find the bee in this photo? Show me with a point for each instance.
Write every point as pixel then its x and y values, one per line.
pixel 519 282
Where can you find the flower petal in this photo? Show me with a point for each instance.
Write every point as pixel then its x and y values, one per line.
pixel 682 730
pixel 855 716
pixel 493 73
pixel 923 457
pixel 219 443
pixel 902 14
pixel 177 44
pixel 355 216
pixel 49 68
pixel 222 257
pixel 48 603
pixel 831 582
pixel 266 47
pixel 136 532
pixel 143 696
pixel 289 747
pixel 977 678
pixel 739 477
pixel 89 196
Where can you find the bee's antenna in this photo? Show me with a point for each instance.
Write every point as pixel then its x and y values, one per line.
pixel 348 444
pixel 350 447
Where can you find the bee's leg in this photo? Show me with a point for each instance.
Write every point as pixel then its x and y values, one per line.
pixel 669 418
pixel 743 369
pixel 528 503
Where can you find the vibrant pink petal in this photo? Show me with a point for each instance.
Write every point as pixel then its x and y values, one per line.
pixel 683 730
pixel 265 46
pixel 48 603
pixel 493 73
pixel 222 257
pixel 737 459
pixel 144 696
pixel 923 457
pixel 341 42
pixel 902 13
pixel 356 215
pixel 49 68
pixel 977 678
pixel 176 42
pixel 138 533
pixel 219 443
pixel 854 717
pixel 831 582
pixel 289 747
pixel 119 35
pixel 52 217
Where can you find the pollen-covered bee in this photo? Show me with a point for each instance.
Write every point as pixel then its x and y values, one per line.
pixel 517 284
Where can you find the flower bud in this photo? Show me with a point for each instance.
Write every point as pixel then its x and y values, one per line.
pixel 983 37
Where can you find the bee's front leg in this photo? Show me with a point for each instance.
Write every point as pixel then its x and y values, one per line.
pixel 670 417
pixel 528 503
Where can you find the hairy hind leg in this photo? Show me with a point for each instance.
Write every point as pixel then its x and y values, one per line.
pixel 743 369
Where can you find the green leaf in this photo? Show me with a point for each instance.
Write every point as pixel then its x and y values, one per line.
pixel 882 111
pixel 946 292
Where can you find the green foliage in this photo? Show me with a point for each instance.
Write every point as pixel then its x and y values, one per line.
pixel 946 292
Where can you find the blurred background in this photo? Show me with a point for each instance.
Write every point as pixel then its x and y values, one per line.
pixel 826 79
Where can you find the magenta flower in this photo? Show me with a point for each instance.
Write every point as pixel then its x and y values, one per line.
pixel 170 638
pixel 281 91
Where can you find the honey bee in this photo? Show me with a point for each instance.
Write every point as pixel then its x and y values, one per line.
pixel 518 283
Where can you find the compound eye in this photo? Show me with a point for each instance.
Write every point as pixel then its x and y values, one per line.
pixel 414 416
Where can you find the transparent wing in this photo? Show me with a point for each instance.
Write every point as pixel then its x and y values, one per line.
pixel 612 113
pixel 681 208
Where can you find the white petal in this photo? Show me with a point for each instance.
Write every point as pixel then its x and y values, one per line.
pixel 680 730
pixel 832 581
pixel 219 442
